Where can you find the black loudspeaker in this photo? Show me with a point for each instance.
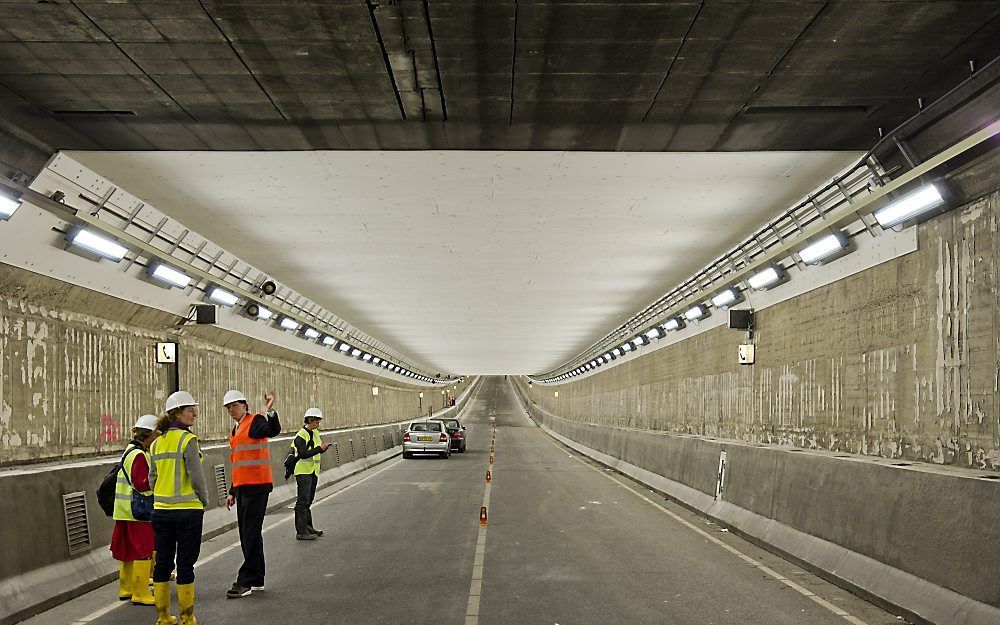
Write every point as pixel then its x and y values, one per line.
pixel 740 319
pixel 205 313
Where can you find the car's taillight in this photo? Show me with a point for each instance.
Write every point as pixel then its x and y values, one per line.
pixel 457 435
pixel 444 438
pixel 406 437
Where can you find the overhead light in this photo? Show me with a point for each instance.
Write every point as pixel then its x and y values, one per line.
pixel 640 340
pixel 102 246
pixel 355 352
pixel 376 360
pixel 655 333
pixel 767 277
pixel 222 296
pixel 695 312
pixel 329 340
pixel 366 357
pixel 673 324
pixel 170 276
pixel 908 206
pixel 626 346
pixel 7 206
pixel 255 310
pixel 310 333
pixel 616 352
pixel 288 323
pixel 726 297
pixel 600 360
pixel 607 356
pixel 268 287
pixel 823 248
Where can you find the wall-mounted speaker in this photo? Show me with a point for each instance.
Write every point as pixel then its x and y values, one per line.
pixel 206 313
pixel 740 319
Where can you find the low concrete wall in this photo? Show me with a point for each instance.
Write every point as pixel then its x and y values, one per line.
pixel 915 537
pixel 36 571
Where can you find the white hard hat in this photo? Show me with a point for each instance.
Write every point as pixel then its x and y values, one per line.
pixel 146 421
pixel 180 399
pixel 232 396
pixel 314 412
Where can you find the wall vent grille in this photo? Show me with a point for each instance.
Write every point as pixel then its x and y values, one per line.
pixel 77 527
pixel 351 441
pixel 220 483
pixel 336 453
pixel 364 447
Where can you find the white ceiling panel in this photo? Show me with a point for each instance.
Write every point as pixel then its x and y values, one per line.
pixel 474 262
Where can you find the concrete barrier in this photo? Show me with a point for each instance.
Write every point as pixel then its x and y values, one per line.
pixel 921 540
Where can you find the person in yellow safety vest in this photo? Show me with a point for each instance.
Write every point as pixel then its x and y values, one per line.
pixel 132 539
pixel 308 447
pixel 250 456
pixel 180 495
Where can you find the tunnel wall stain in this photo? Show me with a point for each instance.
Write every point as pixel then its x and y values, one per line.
pixel 898 361
pixel 77 368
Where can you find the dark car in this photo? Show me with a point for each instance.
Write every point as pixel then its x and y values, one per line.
pixel 456 431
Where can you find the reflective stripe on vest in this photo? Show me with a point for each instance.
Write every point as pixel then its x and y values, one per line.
pixel 123 489
pixel 305 466
pixel 250 457
pixel 173 489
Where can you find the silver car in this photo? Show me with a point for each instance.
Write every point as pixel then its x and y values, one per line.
pixel 426 437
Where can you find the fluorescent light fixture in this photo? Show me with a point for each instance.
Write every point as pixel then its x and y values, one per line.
pixel 169 275
pixel 264 313
pixel 376 360
pixel 222 296
pixel 910 205
pixel 607 356
pixel 102 246
pixel 7 206
pixel 654 333
pixel 673 324
pixel 310 333
pixel 766 277
pixel 695 312
pixel 640 340
pixel 823 248
pixel 725 298
pixel 600 360
pixel 343 347
pixel 289 324
pixel 366 357
pixel 329 340
pixel 355 352
pixel 616 352
pixel 626 346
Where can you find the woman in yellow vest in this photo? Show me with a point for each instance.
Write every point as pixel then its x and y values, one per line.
pixel 132 540
pixel 308 446
pixel 180 495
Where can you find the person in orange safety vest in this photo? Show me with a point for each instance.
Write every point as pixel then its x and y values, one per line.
pixel 251 484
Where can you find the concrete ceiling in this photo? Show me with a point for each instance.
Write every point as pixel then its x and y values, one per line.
pixel 658 75
pixel 474 262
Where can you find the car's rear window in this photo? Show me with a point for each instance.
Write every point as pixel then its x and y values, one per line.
pixel 450 424
pixel 425 427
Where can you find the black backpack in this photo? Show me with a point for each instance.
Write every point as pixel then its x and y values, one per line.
pixel 106 490
pixel 293 457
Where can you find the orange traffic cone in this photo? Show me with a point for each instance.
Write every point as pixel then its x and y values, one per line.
pixel 482 516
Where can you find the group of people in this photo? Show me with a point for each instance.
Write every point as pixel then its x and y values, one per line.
pixel 164 460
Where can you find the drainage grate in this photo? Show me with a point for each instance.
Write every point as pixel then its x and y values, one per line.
pixel 77 528
pixel 220 482
pixel 336 453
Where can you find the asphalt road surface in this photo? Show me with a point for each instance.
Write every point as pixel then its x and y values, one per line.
pixel 568 542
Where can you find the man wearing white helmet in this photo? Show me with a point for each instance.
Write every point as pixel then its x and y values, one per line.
pixel 251 485
pixel 308 446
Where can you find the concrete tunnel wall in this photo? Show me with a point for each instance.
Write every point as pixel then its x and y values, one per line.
pixel 898 361
pixel 77 367
pixel 869 421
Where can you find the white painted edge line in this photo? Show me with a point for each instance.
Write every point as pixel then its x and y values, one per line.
pixel 101 612
pixel 733 550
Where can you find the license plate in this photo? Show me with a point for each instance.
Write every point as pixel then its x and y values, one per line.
pixel 425 438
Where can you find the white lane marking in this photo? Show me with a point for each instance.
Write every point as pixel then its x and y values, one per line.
pixel 772 573
pixel 99 613
pixel 476 583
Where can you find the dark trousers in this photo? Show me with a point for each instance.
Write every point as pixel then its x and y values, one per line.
pixel 176 533
pixel 250 509
pixel 306 485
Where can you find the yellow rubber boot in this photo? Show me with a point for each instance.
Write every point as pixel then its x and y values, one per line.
pixel 140 583
pixel 161 593
pixel 124 581
pixel 185 603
